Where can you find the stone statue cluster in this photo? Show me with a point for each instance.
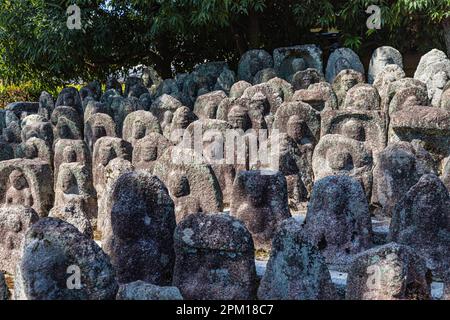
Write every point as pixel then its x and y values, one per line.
pixel 95 205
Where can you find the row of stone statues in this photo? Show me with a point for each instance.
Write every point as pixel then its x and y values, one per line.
pixel 105 165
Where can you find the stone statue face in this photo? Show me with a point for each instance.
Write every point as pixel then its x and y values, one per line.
pixel 69 155
pixel 107 153
pixel 296 128
pixel 211 110
pixel 402 163
pixel 353 129
pixel 256 195
pixel 31 151
pixel 179 184
pixel 168 116
pixel 139 129
pixel 63 130
pixel 348 82
pixel 341 64
pixel 260 102
pixel 237 118
pixel 68 100
pixel 439 80
pixel 149 152
pixel 98 131
pixel 68 183
pixel 181 118
pixel 298 64
pixel 8 135
pixel 339 159
pixel 18 180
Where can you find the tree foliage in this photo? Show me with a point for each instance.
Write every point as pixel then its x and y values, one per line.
pixel 174 35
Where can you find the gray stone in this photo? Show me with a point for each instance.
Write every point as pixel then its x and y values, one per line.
pixel 362 97
pixel 192 185
pixel 138 233
pixel 139 124
pixel 264 75
pixel 434 70
pixel 336 154
pixel 140 290
pixel 67 151
pixel 389 74
pixel 148 150
pixel 73 213
pixel 397 168
pixel 260 200
pixel 54 252
pixel 289 60
pixel 320 96
pixel 389 272
pixel 341 59
pixel 421 220
pixel 162 104
pixel 237 89
pixel 304 78
pixel 21 183
pixel 206 105
pixel 214 258
pixel 74 186
pixel 296 270
pixel 46 105
pixel 365 126
pixel 105 150
pixel 14 223
pixel 344 81
pixel 70 97
pixel 382 57
pixel 97 126
pixel 253 61
pixel 282 87
pixel 338 220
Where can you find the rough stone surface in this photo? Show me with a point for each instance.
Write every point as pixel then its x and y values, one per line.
pixel 21 184
pixel 389 272
pixel 138 234
pixel 289 60
pixel 139 124
pixel 97 126
pixel 397 168
pixel 304 78
pixel 341 59
pixel 192 184
pixel 434 70
pixel 140 290
pixel 421 220
pixel 260 200
pixel 214 258
pixel 336 154
pixel 344 81
pixel 382 57
pixel 296 270
pixel 148 150
pixel 362 97
pixel 206 105
pixel 320 96
pixel 14 223
pixel 253 61
pixel 54 251
pixel 338 220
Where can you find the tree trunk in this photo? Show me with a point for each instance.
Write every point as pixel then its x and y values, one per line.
pixel 446 25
